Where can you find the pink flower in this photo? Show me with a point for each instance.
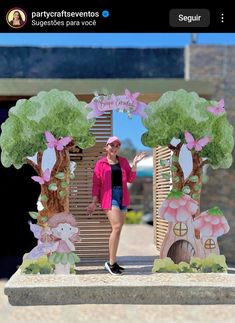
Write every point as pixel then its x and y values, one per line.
pixel 211 223
pixel 178 207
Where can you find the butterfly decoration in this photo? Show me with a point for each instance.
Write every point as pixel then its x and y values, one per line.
pixel 44 178
pixel 42 248
pixel 196 144
pixel 131 96
pixel 58 144
pixel 217 109
pixel 138 105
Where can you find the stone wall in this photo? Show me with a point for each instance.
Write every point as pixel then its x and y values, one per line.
pixel 75 62
pixel 216 64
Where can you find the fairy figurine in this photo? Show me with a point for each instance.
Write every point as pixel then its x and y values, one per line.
pixel 56 239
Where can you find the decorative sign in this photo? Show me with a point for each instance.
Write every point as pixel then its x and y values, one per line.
pixel 122 103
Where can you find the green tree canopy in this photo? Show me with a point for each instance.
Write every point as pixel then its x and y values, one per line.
pixel 179 111
pixel 59 112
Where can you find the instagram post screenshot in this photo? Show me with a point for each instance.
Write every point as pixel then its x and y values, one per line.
pixel 117 162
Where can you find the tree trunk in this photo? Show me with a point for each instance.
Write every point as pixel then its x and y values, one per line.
pixel 194 181
pixel 56 201
pixel 195 184
pixel 176 170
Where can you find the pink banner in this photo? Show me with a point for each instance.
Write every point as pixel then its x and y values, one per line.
pixel 122 103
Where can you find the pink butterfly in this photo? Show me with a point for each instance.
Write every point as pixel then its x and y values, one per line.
pixel 131 96
pixel 59 144
pixel 196 144
pixel 218 109
pixel 44 178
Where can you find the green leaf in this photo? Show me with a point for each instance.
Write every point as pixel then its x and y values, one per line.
pixel 52 187
pixel 197 187
pixel 164 162
pixel 43 198
pixel 163 264
pixel 186 189
pixel 196 262
pixel 196 196
pixel 166 175
pixel 173 168
pixel 193 179
pixel 64 184
pixel 184 267
pixel 174 194
pixel 62 194
pixel 60 175
pixel 215 211
pixel 175 159
pixel 33 215
pixel 214 263
pixel 32 269
pixel 176 179
pixel 44 218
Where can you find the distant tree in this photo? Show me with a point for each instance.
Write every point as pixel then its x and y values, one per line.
pixel 128 149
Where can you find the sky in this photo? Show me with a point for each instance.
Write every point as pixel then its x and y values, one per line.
pixel 123 127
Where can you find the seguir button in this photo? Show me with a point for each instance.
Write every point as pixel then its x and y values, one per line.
pixel 189 18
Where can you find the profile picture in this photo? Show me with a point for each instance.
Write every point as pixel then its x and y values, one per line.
pixel 16 18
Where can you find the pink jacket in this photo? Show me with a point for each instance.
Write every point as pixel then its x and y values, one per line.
pixel 102 182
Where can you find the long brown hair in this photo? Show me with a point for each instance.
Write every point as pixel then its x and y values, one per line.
pixel 20 17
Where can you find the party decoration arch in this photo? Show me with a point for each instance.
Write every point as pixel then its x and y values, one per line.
pixel 58 121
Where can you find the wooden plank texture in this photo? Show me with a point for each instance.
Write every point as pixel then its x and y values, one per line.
pixel 161 187
pixel 94 230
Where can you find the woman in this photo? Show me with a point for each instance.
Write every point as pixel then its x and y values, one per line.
pixel 17 19
pixel 110 178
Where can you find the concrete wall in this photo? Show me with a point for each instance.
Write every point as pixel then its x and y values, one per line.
pixel 217 65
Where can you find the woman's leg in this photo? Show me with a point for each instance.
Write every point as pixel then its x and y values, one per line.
pixel 116 219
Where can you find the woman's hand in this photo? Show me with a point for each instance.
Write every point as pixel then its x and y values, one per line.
pixel 91 208
pixel 138 158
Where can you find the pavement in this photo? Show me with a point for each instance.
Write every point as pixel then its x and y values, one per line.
pixel 136 245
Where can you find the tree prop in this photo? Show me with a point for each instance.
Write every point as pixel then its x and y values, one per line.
pixel 202 126
pixel 53 120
